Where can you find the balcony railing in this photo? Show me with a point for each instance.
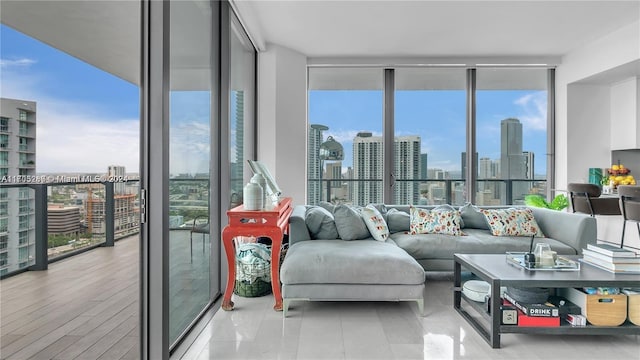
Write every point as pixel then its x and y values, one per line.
pixel 425 191
pixel 45 247
pixel 111 215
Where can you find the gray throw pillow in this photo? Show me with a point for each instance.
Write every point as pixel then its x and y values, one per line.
pixel 328 206
pixel 398 221
pixel 472 217
pixel 320 223
pixel 350 224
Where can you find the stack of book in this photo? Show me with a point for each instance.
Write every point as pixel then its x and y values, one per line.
pixel 612 258
pixel 545 314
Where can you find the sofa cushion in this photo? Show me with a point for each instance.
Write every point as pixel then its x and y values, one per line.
pixel 320 223
pixel 349 223
pixel 328 206
pixel 349 262
pixel 375 222
pixel 434 222
pixel 512 222
pixel 477 241
pixel 398 220
pixel 472 217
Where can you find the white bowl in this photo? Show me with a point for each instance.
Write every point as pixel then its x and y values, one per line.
pixel 476 290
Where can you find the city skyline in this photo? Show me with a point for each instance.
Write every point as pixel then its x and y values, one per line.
pixel 408 162
pixel 438 117
pixel 81 107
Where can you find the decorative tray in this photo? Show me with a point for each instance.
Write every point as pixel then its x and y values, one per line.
pixel 562 263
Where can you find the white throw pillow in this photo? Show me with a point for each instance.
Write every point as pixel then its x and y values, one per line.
pixel 375 223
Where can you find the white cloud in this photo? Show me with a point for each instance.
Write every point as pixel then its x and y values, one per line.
pixel 13 63
pixel 189 148
pixel 534 111
pixel 71 142
pixel 74 137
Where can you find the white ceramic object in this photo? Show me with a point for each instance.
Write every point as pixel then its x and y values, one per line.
pixel 476 290
pixel 260 180
pixel 253 197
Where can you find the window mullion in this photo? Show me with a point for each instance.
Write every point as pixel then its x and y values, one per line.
pixel 388 105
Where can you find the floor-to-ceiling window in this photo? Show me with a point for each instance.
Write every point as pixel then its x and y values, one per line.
pixel 190 103
pixel 511 134
pixel 440 115
pixel 198 96
pixel 429 133
pixel 346 104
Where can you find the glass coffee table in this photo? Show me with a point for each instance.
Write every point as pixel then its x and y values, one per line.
pixel 495 270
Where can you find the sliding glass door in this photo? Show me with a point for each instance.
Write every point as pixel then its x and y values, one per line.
pixel 190 104
pixel 197 130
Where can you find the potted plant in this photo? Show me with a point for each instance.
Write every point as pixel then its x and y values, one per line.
pixel 558 203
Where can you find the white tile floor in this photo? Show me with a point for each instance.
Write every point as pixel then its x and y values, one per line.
pixel 382 330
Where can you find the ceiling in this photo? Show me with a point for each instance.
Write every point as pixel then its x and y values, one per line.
pixel 106 34
pixel 433 28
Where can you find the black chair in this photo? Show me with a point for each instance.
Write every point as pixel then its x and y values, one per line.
pixel 629 206
pixel 585 198
pixel 198 228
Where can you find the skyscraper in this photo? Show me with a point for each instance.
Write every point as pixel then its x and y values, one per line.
pixel 237 168
pixel 512 159
pixel 407 159
pixel 115 173
pixel 423 166
pixel 463 163
pixel 484 169
pixel 529 163
pixel 334 171
pixel 17 165
pixel 368 166
pixel 511 156
pixel 313 166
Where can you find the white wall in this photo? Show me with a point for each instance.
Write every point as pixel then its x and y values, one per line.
pixel 616 49
pixel 588 130
pixel 625 100
pixel 282 118
pixel 587 111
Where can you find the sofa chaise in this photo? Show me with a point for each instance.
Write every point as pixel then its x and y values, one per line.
pixel 334 254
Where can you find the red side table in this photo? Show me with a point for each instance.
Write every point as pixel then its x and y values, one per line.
pixel 268 223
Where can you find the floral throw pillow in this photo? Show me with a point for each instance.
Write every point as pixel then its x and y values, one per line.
pixel 512 222
pixel 375 223
pixel 434 222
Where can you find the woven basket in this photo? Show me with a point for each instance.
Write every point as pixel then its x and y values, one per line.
pixel 258 288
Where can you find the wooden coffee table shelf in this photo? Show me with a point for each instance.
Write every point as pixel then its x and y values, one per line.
pixel 496 271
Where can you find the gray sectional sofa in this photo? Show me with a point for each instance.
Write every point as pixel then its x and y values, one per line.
pixel 333 258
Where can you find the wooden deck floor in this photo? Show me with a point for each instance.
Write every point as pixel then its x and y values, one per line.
pixel 83 307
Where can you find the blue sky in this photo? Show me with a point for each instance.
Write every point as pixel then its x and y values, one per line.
pixel 438 117
pixel 88 119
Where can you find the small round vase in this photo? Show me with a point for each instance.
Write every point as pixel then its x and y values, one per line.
pixel 260 180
